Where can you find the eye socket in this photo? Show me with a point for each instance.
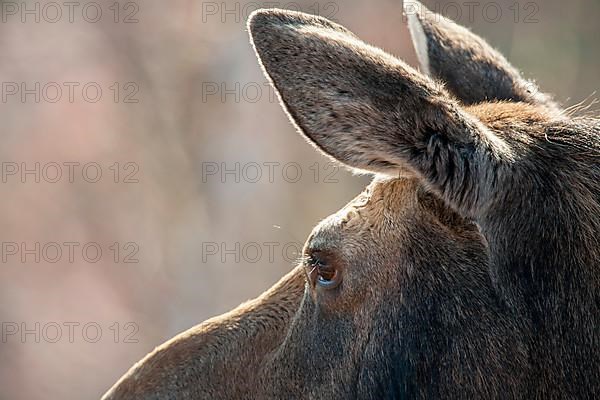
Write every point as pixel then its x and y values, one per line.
pixel 323 273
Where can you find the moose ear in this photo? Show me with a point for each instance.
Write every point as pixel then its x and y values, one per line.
pixel 472 70
pixel 369 110
pixel 340 92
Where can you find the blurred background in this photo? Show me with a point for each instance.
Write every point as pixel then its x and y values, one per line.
pixel 150 179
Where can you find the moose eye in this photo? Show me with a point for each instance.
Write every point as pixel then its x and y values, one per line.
pixel 326 273
pixel 323 273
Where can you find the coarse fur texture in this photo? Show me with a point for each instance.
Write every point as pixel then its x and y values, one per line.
pixel 470 265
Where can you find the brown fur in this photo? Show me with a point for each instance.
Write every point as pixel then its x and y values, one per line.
pixel 471 69
pixel 469 268
pixel 206 360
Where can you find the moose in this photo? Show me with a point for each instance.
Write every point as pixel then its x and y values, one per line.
pixel 468 268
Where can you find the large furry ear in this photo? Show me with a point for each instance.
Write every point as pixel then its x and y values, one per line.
pixel 471 69
pixel 370 110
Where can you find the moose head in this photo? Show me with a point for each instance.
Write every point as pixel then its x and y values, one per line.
pixel 469 267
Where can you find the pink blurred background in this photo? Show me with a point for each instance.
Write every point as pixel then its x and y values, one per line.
pixel 182 99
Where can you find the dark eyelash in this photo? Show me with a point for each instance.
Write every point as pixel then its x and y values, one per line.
pixel 313 262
